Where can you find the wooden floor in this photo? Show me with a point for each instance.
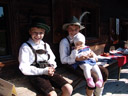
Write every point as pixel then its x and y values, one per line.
pixel 113 87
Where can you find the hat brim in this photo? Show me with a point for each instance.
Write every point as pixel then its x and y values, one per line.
pixel 78 24
pixel 41 25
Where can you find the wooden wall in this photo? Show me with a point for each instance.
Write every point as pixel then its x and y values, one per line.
pixel 55 12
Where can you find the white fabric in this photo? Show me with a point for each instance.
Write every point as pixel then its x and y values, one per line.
pixel 87 67
pixel 79 37
pixel 98 91
pixel 74 54
pixel 27 57
pixel 87 70
pixel 96 69
pixel 64 49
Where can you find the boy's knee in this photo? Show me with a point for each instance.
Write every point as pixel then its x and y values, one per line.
pixel 67 88
pixel 52 93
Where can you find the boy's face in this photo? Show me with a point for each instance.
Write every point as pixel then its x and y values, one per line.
pixel 37 34
pixel 73 30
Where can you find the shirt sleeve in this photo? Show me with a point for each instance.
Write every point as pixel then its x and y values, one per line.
pixel 25 62
pixel 64 50
pixel 52 56
pixel 74 54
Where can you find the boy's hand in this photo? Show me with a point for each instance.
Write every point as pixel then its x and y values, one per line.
pixel 51 71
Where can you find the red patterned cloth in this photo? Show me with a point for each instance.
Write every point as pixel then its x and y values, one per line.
pixel 122 59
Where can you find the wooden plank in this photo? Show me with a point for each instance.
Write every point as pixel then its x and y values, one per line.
pixel 70 77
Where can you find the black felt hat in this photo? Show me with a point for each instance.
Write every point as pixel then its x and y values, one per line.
pixel 40 23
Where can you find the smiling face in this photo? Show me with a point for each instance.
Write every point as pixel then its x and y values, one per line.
pixel 37 34
pixel 73 30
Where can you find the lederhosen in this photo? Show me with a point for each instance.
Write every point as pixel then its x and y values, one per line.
pixel 104 70
pixel 44 83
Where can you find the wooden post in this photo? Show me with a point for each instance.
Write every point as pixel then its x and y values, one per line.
pixel 119 69
pixel 1 65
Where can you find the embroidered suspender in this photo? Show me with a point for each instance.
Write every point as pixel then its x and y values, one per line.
pixel 35 53
pixel 45 49
pixel 71 45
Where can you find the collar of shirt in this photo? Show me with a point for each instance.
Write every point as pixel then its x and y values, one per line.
pixel 70 39
pixel 36 46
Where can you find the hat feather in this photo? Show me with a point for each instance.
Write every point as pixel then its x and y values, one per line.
pixel 83 14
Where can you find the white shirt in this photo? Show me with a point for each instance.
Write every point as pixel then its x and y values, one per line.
pixel 64 49
pixel 27 57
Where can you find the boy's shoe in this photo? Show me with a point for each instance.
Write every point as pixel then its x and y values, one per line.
pixel 90 82
pixel 99 83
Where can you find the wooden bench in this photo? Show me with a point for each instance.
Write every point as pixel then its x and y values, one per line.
pixel 24 88
pixel 98 49
pixel 76 77
pixel 23 85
